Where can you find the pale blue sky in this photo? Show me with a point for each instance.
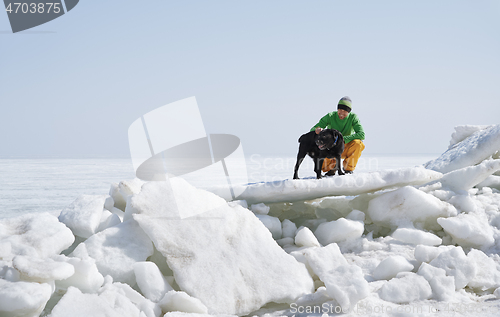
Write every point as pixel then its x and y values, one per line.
pixel 265 71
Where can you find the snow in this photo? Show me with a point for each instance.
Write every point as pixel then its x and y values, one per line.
pixel 400 238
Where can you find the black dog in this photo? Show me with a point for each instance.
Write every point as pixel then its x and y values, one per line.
pixel 328 143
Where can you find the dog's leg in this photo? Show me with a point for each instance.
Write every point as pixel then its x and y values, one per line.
pixel 318 163
pixel 300 158
pixel 337 166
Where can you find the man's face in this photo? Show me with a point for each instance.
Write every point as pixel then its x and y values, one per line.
pixel 342 114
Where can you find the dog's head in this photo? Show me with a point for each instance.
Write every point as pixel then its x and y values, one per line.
pixel 326 139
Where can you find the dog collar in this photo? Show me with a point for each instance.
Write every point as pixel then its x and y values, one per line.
pixel 334 142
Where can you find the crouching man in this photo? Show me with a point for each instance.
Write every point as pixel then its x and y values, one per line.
pixel 348 124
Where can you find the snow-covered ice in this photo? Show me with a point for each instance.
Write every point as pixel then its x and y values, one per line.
pixel 225 257
pixel 471 151
pixel 416 237
pixel 409 206
pixel 391 266
pixel 410 237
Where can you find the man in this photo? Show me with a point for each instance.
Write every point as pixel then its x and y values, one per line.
pixel 347 123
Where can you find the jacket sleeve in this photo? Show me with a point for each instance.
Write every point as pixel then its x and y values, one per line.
pixel 359 133
pixel 323 123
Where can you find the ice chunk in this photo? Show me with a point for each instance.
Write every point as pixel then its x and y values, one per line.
pixel 228 239
pixel 471 151
pixel 108 219
pixel 491 181
pixel 332 208
pixel 408 204
pixel 351 185
pixel 286 242
pixel 463 203
pixel 182 302
pixel 130 187
pixel 356 215
pixel 321 260
pixel 487 271
pixel 415 236
pixel 305 238
pixel 150 280
pixel 84 214
pixel 109 203
pixel 34 269
pixel 23 298
pixel 426 254
pixel 113 292
pixel 86 277
pixel 117 249
pixel 111 304
pixel 468 177
pixel 443 287
pixel 462 132
pixel 273 224
pixel 260 209
pixel 469 230
pixel 339 230
pixel 456 264
pixel 35 234
pixel 391 266
pixel 346 284
pixel 409 288
pixel 288 229
pixel 119 202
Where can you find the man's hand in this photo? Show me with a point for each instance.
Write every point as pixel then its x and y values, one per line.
pixel 318 130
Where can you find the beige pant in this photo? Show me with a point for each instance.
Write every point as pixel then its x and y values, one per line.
pixel 351 154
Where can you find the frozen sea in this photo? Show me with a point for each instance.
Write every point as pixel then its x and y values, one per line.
pixel 48 185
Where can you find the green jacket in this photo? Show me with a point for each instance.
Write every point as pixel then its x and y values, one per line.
pixel 350 127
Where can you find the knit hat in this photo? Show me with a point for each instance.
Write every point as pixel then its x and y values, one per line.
pixel 345 104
